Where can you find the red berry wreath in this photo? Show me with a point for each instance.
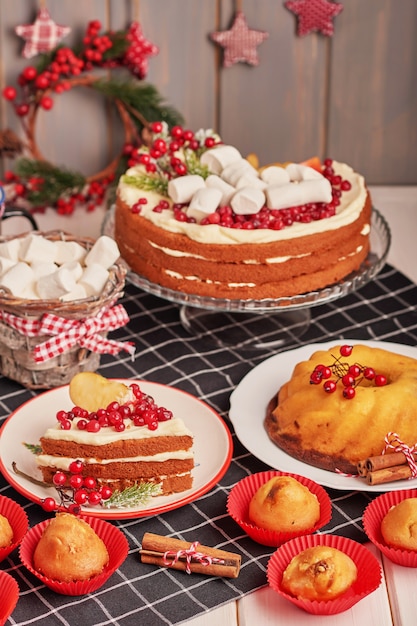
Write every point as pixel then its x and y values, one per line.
pixel 39 182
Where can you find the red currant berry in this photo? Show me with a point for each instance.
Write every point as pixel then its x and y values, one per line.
pixel 75 509
pixel 106 492
pixel 347 380
pixel 176 132
pixel 93 426
pixel 29 73
pixel 354 370
pixel 380 380
pixel 59 479
pixel 346 350
pixel 76 467
pixel 369 373
pixel 9 93
pixel 76 481
pixel 81 496
pixel 349 393
pixel 90 482
pixel 46 103
pixel 156 127
pixel 48 504
pixel 329 386
pixel 94 497
pixel 315 377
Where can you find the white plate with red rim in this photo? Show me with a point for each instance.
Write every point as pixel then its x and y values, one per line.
pixel 249 401
pixel 213 447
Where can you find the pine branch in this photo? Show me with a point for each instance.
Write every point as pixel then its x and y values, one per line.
pixel 147 183
pixel 56 182
pixel 140 97
pixel 137 495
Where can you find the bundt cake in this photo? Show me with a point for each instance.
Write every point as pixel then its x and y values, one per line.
pixel 338 407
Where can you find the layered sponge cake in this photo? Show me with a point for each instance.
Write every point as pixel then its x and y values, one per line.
pixel 123 444
pixel 194 216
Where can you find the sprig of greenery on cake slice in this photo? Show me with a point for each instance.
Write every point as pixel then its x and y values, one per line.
pixel 134 496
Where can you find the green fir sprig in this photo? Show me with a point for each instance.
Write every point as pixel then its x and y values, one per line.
pixel 135 496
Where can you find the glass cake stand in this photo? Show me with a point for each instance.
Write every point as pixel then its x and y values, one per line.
pixel 267 323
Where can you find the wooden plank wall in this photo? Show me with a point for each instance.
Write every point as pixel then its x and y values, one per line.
pixel 352 96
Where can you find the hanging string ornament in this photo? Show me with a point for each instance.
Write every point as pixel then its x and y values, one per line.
pixel 39 183
pixel 41 36
pixel 240 43
pixel 314 15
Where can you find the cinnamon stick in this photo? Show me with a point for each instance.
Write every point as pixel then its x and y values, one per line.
pixel 388 474
pixel 189 557
pixel 374 463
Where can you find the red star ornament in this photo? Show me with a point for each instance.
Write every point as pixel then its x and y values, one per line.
pixel 240 42
pixel 41 36
pixel 140 49
pixel 314 15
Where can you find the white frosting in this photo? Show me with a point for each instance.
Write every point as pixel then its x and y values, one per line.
pixel 63 462
pixel 174 427
pixel 348 211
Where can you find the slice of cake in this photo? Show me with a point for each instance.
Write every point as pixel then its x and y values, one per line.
pixel 125 443
pixel 194 216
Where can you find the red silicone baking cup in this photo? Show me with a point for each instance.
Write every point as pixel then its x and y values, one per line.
pixel 18 520
pixel 116 544
pixel 242 493
pixel 372 519
pixel 8 597
pixel 369 572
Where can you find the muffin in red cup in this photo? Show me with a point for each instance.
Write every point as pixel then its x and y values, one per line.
pixel 113 539
pixel 368 572
pixel 18 521
pixel 373 517
pixel 8 597
pixel 241 506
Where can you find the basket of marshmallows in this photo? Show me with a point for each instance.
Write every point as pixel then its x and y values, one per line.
pixel 58 302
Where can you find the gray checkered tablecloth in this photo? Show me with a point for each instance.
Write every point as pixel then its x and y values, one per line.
pixel 385 309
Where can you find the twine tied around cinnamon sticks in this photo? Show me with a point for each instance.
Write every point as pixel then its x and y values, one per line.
pixel 182 555
pixel 400 464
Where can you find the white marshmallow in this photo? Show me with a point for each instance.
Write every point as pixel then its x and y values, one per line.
pixel 219 157
pixel 30 293
pixel 54 286
pixel 227 190
pixel 204 202
pixel 294 194
pixel 18 278
pixel 43 268
pixel 248 180
pixel 104 252
pixel 182 189
pixel 94 278
pixel 234 171
pixel 298 172
pixel 78 293
pixel 248 201
pixel 75 268
pixel 5 265
pixel 275 175
pixel 10 249
pixel 69 251
pixel 37 248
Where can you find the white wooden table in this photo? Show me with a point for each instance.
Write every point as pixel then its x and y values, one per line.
pixel 395 601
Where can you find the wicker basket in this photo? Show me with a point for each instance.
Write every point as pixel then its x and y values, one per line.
pixel 16 359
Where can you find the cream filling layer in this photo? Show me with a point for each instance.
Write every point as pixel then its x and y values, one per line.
pixel 174 427
pixel 348 211
pixel 63 463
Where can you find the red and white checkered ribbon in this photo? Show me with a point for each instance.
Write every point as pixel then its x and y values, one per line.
pixel 68 333
pixel 393 442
